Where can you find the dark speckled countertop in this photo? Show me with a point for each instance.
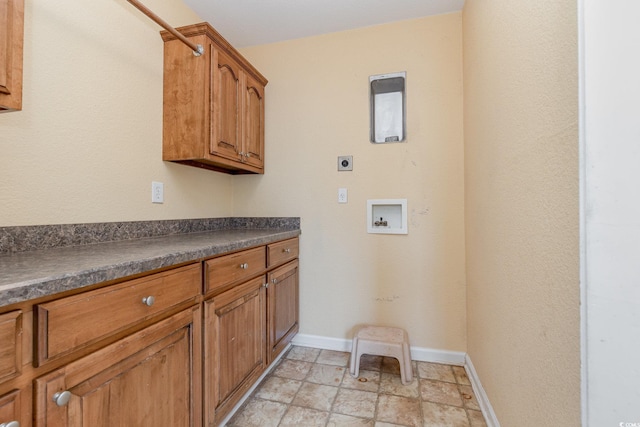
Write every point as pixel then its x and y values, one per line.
pixel 33 274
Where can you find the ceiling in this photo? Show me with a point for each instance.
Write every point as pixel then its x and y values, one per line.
pixel 253 22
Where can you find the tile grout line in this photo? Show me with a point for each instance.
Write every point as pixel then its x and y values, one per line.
pixel 342 386
pixel 302 381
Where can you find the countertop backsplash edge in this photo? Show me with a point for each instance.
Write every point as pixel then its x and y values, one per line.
pixel 37 237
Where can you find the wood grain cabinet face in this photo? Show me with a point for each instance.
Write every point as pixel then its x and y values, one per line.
pixel 10 408
pixel 234 346
pixel 226 106
pixel 232 268
pixel 253 131
pixel 10 344
pixel 11 48
pixel 213 109
pixel 281 252
pixel 148 379
pixel 282 310
pixel 71 323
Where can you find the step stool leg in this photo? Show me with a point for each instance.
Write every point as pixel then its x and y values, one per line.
pixel 354 366
pixel 405 364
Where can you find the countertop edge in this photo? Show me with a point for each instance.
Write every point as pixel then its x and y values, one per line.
pixel 31 289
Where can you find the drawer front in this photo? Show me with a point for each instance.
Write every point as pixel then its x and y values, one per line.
pixel 234 267
pixel 71 323
pixel 282 252
pixel 10 344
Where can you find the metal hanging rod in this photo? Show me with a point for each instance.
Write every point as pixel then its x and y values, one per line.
pixel 196 48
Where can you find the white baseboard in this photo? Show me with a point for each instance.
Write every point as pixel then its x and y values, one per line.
pixel 485 406
pixel 421 354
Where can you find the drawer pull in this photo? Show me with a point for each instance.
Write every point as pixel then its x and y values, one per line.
pixel 61 398
pixel 286 251
pixel 148 301
pixel 244 266
pixel 10 424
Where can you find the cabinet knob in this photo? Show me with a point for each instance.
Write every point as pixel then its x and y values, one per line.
pixel 148 301
pixel 274 280
pixel 10 424
pixel 264 285
pixel 286 251
pixel 244 266
pixel 61 398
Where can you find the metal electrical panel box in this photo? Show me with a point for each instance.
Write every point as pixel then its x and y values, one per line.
pixel 387 97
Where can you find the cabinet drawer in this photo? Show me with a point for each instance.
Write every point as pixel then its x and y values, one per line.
pixel 71 323
pixel 234 267
pixel 281 252
pixel 10 344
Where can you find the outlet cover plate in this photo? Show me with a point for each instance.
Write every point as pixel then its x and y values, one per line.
pixel 345 163
pixel 157 192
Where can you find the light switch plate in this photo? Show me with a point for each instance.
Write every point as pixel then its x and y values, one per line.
pixel 345 163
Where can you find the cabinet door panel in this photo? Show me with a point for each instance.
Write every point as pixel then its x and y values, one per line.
pixel 282 297
pixel 234 345
pixel 226 106
pixel 147 379
pixel 254 123
pixel 11 344
pixel 10 407
pixel 11 46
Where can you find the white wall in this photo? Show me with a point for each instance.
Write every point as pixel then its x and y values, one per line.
pixel 611 211
pixel 317 108
pixel 88 141
pixel 522 207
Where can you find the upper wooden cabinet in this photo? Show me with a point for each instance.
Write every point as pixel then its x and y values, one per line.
pixel 213 112
pixel 11 39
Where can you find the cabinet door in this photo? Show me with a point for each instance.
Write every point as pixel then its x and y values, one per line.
pixel 10 408
pixel 253 133
pixel 150 378
pixel 11 344
pixel 11 41
pixel 225 105
pixel 234 346
pixel 282 312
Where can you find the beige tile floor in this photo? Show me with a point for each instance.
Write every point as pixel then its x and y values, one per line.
pixel 312 387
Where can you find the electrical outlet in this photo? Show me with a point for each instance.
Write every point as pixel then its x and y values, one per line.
pixel 157 192
pixel 342 195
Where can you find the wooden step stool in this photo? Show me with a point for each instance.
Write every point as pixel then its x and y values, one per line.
pixel 382 341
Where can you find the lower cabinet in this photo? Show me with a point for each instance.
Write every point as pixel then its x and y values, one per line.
pixel 282 311
pixel 234 336
pixel 11 410
pixel 164 349
pixel 150 378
